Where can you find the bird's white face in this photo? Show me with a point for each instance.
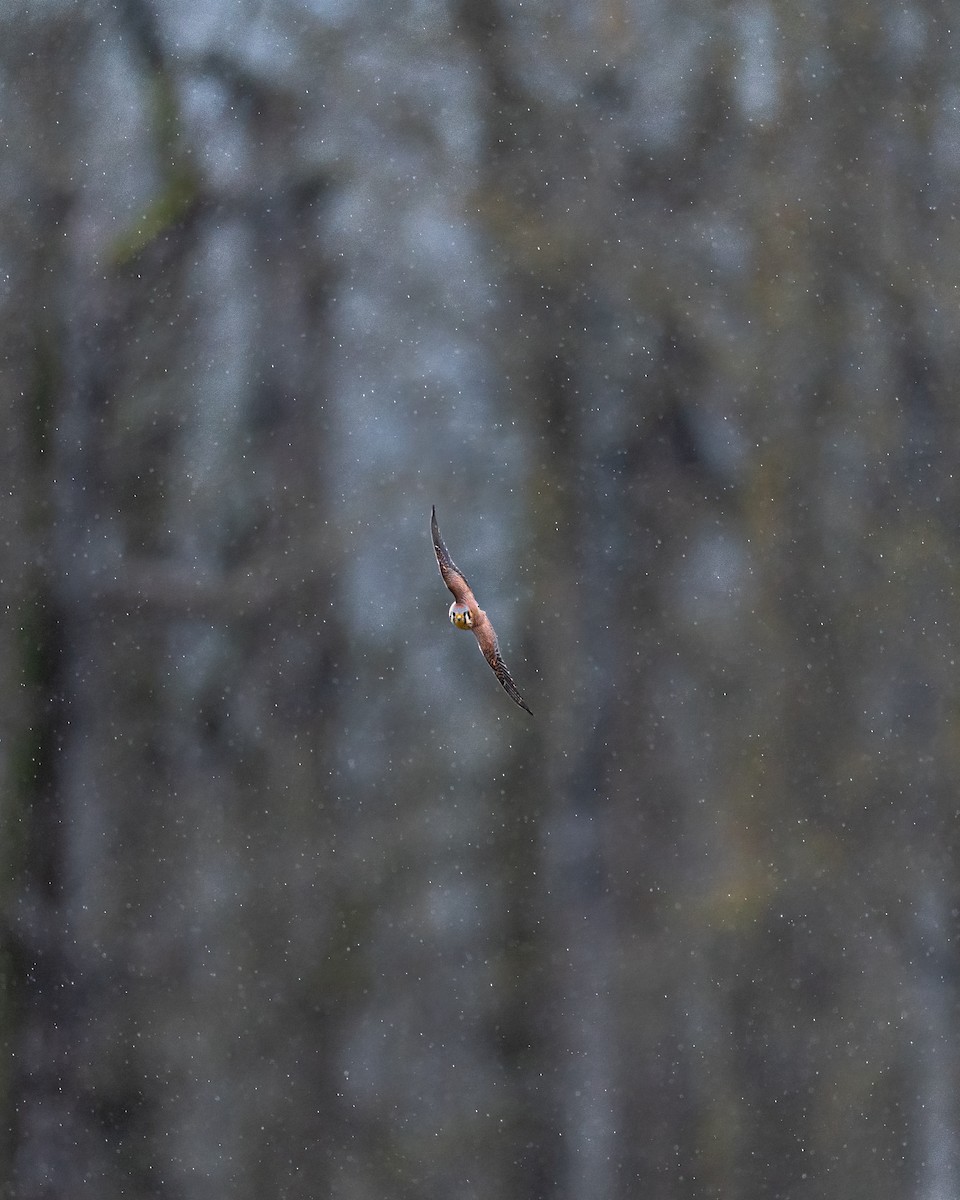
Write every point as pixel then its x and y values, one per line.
pixel 460 616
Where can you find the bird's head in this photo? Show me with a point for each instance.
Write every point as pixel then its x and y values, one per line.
pixel 461 616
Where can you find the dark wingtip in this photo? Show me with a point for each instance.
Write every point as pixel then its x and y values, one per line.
pixel 514 694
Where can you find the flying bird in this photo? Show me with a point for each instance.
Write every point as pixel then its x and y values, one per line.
pixel 466 613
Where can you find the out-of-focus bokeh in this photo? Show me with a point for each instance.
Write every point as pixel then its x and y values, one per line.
pixel 658 302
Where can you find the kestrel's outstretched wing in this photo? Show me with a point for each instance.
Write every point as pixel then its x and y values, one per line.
pixel 490 649
pixel 454 578
pixel 466 613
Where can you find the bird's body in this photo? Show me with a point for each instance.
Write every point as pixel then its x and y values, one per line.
pixel 466 613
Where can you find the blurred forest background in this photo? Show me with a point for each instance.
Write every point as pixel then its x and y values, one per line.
pixel 657 301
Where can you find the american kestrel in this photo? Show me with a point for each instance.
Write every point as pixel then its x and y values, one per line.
pixel 466 613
